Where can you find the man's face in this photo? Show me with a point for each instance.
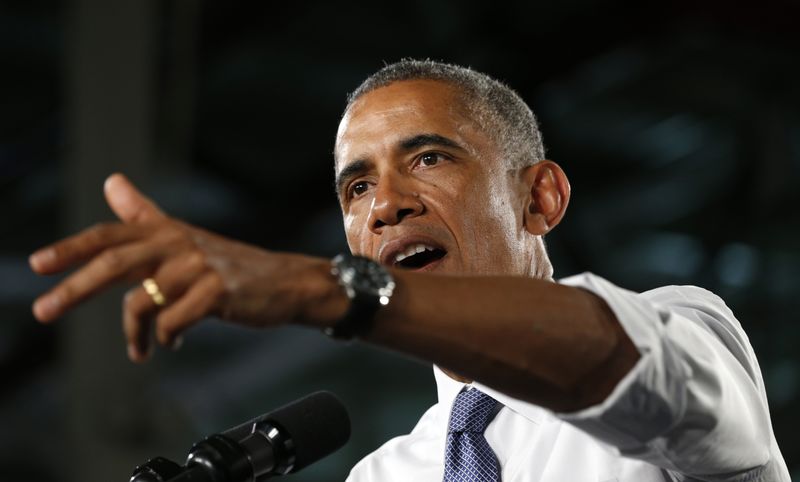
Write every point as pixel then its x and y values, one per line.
pixel 422 186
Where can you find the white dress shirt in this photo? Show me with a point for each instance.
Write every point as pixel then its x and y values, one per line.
pixel 693 408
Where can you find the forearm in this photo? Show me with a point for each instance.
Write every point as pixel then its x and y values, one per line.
pixel 556 346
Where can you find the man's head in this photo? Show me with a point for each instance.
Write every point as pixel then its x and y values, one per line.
pixel 426 160
pixel 491 104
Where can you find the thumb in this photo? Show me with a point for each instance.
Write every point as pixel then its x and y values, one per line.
pixel 128 203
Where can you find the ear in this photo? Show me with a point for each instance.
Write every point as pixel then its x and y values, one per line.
pixel 548 196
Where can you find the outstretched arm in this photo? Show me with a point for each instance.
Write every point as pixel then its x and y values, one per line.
pixel 556 346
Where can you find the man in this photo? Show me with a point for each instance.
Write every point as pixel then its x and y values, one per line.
pixel 442 180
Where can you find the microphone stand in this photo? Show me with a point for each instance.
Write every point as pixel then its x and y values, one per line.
pixel 220 458
pixel 158 469
pixel 312 427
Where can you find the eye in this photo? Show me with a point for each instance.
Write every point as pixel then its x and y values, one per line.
pixel 358 188
pixel 430 159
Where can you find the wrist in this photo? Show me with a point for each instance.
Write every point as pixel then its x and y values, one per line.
pixel 369 287
pixel 323 301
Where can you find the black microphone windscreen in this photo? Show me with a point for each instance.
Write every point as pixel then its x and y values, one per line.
pixel 318 425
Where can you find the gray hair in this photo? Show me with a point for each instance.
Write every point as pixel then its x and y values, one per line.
pixel 499 110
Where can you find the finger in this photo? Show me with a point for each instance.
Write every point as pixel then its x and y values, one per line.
pixel 199 301
pixel 128 203
pixel 137 321
pixel 82 246
pixel 98 274
pixel 172 279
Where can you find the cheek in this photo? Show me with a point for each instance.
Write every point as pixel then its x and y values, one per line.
pixel 350 231
pixel 492 223
pixel 487 205
pixel 505 212
pixel 358 237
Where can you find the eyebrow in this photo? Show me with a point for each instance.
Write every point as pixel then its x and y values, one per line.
pixel 360 166
pixel 354 169
pixel 423 140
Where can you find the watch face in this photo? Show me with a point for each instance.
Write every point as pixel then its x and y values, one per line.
pixel 362 275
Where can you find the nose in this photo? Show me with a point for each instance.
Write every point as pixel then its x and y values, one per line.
pixel 394 201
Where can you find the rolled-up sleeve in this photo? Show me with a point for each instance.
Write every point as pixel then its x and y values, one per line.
pixel 694 403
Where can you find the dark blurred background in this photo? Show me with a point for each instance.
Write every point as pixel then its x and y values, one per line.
pixel 677 122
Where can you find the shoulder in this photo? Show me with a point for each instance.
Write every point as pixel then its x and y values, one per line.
pixel 670 294
pixel 697 304
pixel 669 309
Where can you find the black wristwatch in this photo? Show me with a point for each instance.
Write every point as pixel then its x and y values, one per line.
pixel 369 287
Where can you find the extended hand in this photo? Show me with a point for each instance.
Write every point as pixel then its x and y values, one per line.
pixel 199 274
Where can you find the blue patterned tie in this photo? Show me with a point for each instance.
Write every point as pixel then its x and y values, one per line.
pixel 468 456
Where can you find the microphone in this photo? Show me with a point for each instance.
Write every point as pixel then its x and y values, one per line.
pixel 277 443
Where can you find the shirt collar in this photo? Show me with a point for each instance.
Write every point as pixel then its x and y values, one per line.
pixel 448 389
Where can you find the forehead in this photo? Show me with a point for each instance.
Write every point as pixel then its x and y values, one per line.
pixel 378 119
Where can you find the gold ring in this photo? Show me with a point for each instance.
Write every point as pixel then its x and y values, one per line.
pixel 151 287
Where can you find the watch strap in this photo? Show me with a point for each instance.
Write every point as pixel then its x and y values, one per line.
pixel 357 320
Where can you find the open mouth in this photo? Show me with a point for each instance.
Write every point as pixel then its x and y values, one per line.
pixel 418 256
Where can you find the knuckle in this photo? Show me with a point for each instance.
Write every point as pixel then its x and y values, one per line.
pixel 164 330
pixel 97 233
pixel 195 259
pixel 59 250
pixel 134 304
pixel 128 301
pixel 172 233
pixel 66 294
pixel 215 281
pixel 112 260
pixel 217 286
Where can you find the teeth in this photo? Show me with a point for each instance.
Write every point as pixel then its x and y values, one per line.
pixel 411 251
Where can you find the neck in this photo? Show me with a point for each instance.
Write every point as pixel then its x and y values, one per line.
pixel 455 376
pixel 541 267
